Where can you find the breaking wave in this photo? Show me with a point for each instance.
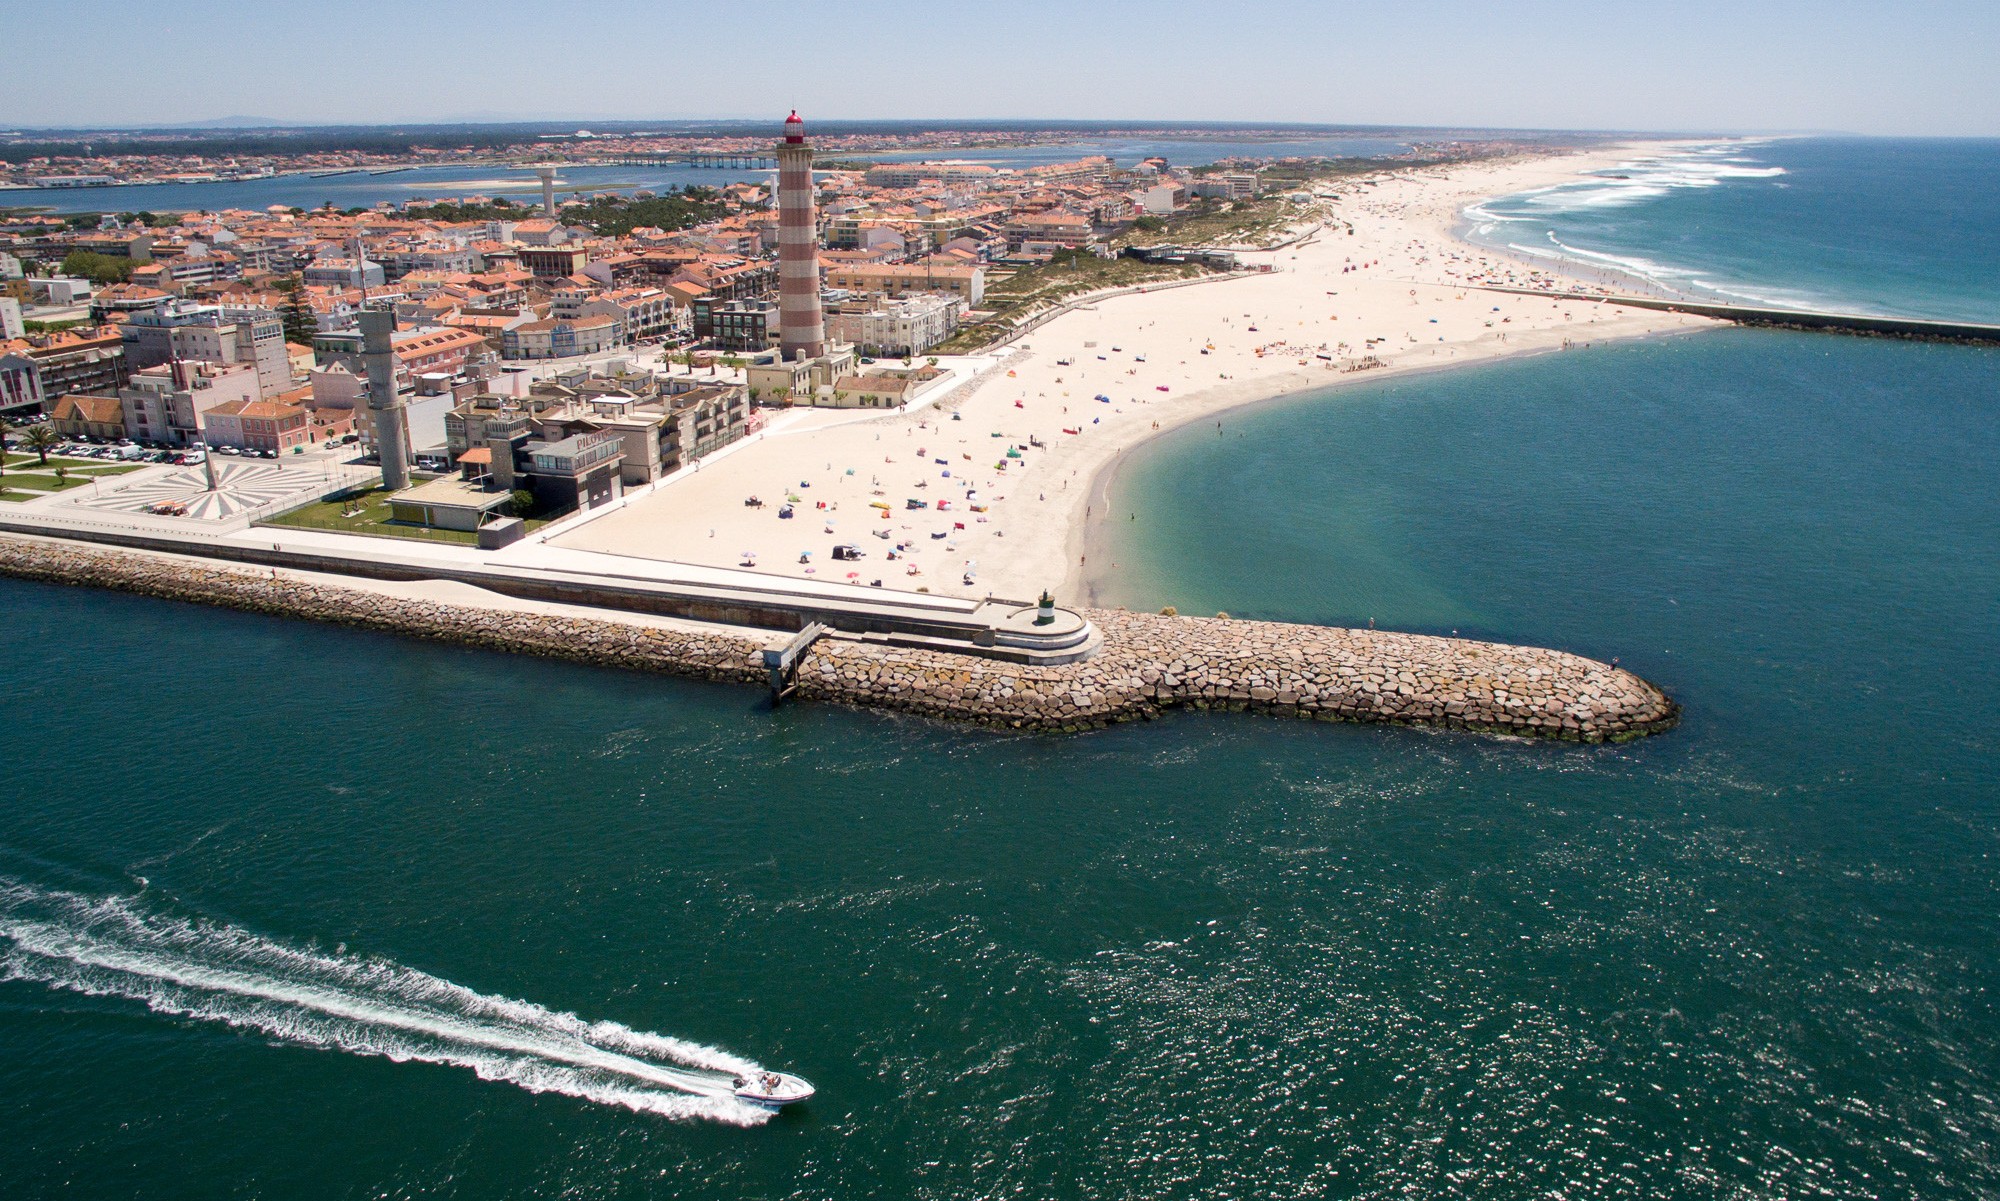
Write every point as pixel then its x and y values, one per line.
pixel 208 971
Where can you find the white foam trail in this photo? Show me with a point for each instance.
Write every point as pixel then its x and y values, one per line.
pixel 110 946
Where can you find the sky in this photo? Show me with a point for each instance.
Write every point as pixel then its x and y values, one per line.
pixel 1912 68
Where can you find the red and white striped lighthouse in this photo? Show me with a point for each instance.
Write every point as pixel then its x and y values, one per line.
pixel 801 327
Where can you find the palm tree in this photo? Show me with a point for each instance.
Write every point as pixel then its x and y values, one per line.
pixel 41 439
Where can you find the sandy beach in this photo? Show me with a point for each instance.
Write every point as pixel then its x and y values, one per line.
pixel 1383 287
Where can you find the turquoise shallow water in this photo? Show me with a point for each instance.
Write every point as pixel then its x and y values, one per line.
pixel 288 910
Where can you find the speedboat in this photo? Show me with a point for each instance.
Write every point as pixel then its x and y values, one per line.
pixel 772 1090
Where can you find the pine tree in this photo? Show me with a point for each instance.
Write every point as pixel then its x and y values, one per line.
pixel 301 323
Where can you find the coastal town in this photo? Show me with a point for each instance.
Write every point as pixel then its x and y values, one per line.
pixel 880 400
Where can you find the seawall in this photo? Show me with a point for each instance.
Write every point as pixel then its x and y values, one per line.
pixel 1859 324
pixel 1148 664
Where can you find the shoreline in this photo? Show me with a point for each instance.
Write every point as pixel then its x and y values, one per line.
pixel 1084 582
pixel 1068 399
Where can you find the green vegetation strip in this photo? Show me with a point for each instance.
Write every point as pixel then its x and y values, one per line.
pixel 368 514
pixel 611 216
pixel 1068 274
pixel 85 466
pixel 40 483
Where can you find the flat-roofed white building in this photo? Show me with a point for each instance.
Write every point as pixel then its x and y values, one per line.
pixel 908 326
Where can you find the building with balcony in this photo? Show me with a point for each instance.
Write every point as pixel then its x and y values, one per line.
pixel 893 280
pixel 554 339
pixel 211 333
pixel 169 403
pixel 908 326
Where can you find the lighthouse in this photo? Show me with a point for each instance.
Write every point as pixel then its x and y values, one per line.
pixel 801 327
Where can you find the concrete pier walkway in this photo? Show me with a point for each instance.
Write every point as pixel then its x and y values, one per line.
pixel 1145 664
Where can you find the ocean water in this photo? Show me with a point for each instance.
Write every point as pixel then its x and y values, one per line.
pixel 1892 227
pixel 289 910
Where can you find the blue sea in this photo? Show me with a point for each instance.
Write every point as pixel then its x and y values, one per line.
pixel 299 911
pixel 1889 227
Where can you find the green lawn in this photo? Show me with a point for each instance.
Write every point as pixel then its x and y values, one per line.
pixel 372 518
pixel 40 483
pixel 86 466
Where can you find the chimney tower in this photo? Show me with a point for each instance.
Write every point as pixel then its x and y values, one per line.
pixel 801 328
pixel 385 404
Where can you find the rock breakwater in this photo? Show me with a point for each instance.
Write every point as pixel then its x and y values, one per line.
pixel 1149 663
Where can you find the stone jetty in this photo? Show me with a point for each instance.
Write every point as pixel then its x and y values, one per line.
pixel 1149 663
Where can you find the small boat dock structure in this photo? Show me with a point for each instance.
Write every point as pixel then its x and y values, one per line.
pixel 783 661
pixel 1860 324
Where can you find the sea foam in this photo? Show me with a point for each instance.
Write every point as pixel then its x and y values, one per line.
pixel 208 971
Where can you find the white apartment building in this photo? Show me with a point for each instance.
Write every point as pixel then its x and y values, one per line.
pixel 909 326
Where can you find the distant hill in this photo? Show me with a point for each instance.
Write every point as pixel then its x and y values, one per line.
pixel 229 123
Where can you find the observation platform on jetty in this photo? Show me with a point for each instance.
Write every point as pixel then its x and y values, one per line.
pixel 1860 324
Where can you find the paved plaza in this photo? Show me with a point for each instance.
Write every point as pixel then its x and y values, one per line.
pixel 241 489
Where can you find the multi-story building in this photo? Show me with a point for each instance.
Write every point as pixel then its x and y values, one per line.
pixel 909 326
pixel 910 175
pixel 126 299
pixel 256 425
pixel 398 261
pixel 554 262
pixel 554 339
pixel 1229 185
pixel 344 273
pixel 87 363
pixel 1163 199
pixel 211 333
pixel 1056 230
pixel 169 403
pixel 893 280
pixel 735 324
pixel 435 351
pixel 639 312
pixel 662 426
pixel 187 270
pixel 1083 170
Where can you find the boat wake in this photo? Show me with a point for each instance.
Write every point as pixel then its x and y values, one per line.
pixel 191 968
